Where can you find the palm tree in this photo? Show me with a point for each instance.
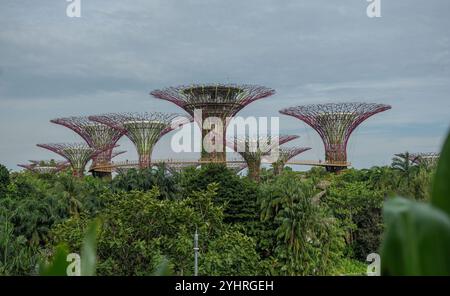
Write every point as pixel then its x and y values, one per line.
pixel 402 163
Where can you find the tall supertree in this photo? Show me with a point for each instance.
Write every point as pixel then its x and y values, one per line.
pixel 221 101
pixel 143 129
pixel 286 154
pixel 77 154
pixel 254 150
pixel 335 122
pixel 96 135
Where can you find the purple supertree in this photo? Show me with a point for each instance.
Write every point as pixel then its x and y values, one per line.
pixel 215 101
pixel 96 135
pixel 143 129
pixel 286 154
pixel 77 154
pixel 255 150
pixel 335 122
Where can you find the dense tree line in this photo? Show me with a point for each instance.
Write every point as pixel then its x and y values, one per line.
pixel 293 223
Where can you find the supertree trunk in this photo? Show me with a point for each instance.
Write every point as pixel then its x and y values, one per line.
pixel 219 156
pixel 336 154
pixel 254 169
pixel 144 161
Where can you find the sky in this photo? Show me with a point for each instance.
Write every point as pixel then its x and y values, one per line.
pixel 110 58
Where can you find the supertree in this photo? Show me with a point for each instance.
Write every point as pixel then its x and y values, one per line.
pixel 97 136
pixel 255 150
pixel 426 159
pixel 286 154
pixel 77 154
pixel 335 122
pixel 219 101
pixel 44 167
pixel 143 129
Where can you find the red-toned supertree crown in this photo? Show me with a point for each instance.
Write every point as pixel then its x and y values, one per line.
pixel 96 135
pixel 143 129
pixel 77 154
pixel 335 122
pixel 214 100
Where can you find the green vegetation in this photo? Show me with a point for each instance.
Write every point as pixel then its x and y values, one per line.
pixel 292 223
pixel 417 238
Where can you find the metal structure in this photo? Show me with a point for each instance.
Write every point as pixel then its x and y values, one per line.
pixel 237 167
pixel 45 166
pixel 77 154
pixel 128 164
pixel 253 150
pixel 214 101
pixel 335 122
pixel 428 159
pixel 143 129
pixel 96 135
pixel 286 154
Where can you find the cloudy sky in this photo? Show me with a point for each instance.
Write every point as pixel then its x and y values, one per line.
pixel 312 51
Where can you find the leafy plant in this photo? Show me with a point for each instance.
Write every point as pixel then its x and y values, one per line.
pixel 417 236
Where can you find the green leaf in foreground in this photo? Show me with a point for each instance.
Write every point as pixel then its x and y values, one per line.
pixel 58 266
pixel 89 250
pixel 441 186
pixel 416 241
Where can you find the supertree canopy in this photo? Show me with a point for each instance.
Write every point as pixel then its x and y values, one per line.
pixel 96 135
pixel 143 129
pixel 427 159
pixel 221 101
pixel 286 154
pixel 253 150
pixel 335 122
pixel 77 154
pixel 45 166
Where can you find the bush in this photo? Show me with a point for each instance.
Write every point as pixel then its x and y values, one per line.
pixel 146 179
pixel 237 195
pixel 4 179
pixel 359 212
pixel 306 239
pixel 139 230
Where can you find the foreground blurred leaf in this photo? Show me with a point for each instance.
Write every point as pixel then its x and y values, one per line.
pixel 416 241
pixel 89 250
pixel 441 186
pixel 57 267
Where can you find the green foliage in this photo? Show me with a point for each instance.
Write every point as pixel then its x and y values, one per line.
pixel 350 267
pixel 16 256
pixel 230 254
pixel 237 195
pixel 306 239
pixel 417 236
pixel 146 179
pixel 58 265
pixel 359 212
pixel 139 230
pixel 4 179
